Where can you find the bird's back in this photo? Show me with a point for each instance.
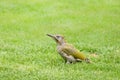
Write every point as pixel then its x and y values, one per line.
pixel 70 50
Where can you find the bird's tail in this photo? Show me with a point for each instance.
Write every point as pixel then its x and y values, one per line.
pixel 88 60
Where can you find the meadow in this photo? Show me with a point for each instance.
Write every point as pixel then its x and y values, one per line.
pixel 92 26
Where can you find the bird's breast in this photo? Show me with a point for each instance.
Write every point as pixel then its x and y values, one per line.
pixel 59 48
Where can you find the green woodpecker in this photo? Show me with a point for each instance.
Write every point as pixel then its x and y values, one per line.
pixel 69 53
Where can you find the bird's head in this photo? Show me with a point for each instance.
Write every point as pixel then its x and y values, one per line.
pixel 58 38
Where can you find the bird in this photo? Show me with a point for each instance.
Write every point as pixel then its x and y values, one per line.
pixel 67 51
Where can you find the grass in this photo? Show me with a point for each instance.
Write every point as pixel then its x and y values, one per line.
pixel 26 53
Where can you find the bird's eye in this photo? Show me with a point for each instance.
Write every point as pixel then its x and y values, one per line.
pixel 58 36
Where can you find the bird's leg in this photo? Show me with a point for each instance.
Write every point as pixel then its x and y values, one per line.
pixel 65 60
pixel 68 62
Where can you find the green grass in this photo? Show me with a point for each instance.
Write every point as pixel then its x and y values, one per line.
pixel 92 26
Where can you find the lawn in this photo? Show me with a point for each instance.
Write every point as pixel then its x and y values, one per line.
pixel 92 26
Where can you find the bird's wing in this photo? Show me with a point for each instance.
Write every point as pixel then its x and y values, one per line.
pixel 70 50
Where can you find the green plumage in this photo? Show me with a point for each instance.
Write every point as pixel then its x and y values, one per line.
pixel 70 50
pixel 67 51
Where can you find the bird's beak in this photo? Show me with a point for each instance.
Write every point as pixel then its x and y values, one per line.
pixel 52 36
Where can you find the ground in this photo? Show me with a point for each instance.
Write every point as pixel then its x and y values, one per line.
pixel 92 26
